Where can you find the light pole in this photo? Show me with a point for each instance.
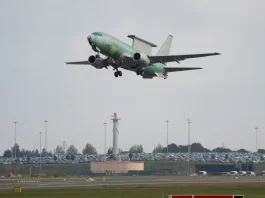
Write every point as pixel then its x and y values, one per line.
pixel 167 134
pixel 189 122
pixel 256 138
pixel 167 145
pixel 46 136
pixel 15 147
pixel 12 153
pixel 105 139
pixel 40 152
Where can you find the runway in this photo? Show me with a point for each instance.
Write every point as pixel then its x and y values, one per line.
pixel 78 185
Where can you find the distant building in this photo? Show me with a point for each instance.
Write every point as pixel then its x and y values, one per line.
pixel 215 169
pixel 116 166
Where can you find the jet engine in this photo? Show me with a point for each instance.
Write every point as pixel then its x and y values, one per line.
pixel 141 59
pixel 97 62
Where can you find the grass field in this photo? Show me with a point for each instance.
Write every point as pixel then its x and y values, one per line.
pixel 249 190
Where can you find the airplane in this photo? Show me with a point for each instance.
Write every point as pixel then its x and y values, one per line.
pixel 136 58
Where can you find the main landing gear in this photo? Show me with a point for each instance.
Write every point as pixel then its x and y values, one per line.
pixel 116 66
pixel 117 73
pixel 139 72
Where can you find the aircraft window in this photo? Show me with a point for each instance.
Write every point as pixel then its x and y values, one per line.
pixel 98 34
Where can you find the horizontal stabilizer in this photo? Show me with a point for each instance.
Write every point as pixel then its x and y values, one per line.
pixel 142 45
pixel 176 69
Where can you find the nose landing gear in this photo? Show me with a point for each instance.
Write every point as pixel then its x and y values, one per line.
pixel 139 72
pixel 117 73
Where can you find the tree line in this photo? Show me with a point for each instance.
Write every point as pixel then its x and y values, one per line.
pixel 197 148
pixel 15 151
pixel 90 149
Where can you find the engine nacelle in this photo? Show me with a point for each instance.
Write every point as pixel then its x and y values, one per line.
pixel 141 59
pixel 98 63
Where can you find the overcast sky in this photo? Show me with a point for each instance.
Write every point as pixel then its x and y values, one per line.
pixel 225 100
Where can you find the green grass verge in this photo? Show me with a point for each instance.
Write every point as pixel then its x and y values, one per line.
pixel 51 169
pixel 249 190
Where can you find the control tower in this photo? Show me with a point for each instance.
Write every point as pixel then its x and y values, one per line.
pixel 115 120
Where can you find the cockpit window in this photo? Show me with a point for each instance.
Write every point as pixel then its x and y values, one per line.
pixel 97 34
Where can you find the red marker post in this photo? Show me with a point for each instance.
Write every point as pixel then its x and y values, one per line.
pixel 213 196
pixel 206 196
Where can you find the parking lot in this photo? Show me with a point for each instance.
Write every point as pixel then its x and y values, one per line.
pixel 232 157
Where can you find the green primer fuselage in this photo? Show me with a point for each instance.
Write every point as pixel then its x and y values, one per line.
pixel 114 48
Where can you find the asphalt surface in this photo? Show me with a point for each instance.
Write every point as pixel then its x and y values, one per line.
pixel 78 185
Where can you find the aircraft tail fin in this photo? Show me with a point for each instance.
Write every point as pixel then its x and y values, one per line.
pixel 142 45
pixel 165 48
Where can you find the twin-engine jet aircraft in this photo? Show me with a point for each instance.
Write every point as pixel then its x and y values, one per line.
pixel 136 58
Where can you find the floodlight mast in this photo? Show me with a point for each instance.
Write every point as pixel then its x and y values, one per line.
pixel 189 122
pixel 167 134
pixel 105 140
pixel 256 138
pixel 15 147
pixel 46 149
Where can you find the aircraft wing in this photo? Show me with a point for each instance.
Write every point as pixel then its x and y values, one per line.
pixel 177 58
pixel 176 69
pixel 78 63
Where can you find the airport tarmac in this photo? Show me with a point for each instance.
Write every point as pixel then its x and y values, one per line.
pixel 77 185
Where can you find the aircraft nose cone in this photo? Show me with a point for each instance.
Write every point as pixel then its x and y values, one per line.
pixel 89 38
